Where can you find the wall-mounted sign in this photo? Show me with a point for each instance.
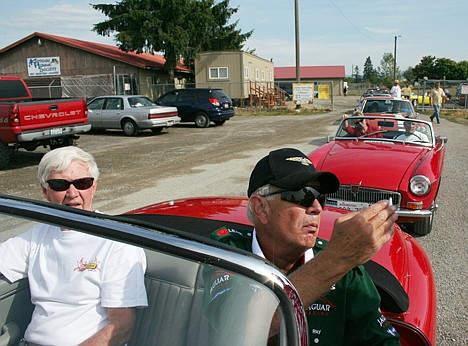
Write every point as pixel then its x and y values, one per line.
pixel 48 66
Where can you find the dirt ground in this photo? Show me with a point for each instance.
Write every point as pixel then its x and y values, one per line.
pixel 182 160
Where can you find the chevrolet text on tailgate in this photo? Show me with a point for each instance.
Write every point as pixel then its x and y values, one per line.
pixel 29 123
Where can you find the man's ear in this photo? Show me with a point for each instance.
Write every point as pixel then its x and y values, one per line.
pixel 259 207
pixel 44 191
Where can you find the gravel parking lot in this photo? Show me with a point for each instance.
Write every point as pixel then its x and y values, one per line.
pixel 186 161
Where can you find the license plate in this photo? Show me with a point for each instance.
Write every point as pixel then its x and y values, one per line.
pixel 351 205
pixel 56 131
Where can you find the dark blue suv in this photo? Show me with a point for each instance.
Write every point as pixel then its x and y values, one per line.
pixel 199 105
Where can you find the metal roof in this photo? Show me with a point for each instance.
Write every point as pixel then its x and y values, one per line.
pixel 142 60
pixel 310 72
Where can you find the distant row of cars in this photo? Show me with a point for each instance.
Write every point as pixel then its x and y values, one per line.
pixel 397 156
pixel 135 113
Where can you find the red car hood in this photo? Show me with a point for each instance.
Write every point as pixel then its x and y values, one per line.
pixel 402 256
pixel 369 163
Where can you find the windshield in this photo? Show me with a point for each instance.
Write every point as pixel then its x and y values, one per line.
pixel 140 101
pixel 189 299
pixel 389 106
pixel 386 128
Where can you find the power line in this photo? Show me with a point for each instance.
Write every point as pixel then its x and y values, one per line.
pixel 352 24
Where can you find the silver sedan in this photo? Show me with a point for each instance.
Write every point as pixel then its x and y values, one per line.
pixel 131 113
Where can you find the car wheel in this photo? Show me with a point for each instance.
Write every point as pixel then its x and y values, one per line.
pixel 415 103
pixel 157 129
pixel 219 122
pixel 6 153
pixel 201 120
pixel 129 127
pixel 62 142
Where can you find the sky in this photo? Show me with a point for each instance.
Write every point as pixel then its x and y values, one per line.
pixel 331 32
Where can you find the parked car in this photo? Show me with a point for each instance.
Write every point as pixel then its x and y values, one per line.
pixel 131 113
pixel 416 99
pixel 31 123
pixel 387 164
pixel 199 105
pixel 174 235
pixel 375 105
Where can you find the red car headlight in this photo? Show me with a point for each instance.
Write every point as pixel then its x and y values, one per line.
pixel 420 185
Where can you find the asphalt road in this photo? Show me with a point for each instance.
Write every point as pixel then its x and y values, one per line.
pixel 185 161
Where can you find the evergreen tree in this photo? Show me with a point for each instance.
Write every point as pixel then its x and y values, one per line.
pixel 180 29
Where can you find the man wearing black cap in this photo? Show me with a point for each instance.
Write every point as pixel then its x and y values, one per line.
pixel 286 196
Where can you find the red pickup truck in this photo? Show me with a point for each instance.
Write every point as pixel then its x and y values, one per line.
pixel 29 123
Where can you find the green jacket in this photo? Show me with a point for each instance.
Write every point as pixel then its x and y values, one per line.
pixel 348 314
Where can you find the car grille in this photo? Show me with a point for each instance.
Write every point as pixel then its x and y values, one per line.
pixel 364 195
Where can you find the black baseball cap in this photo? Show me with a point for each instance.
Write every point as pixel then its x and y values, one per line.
pixel 290 169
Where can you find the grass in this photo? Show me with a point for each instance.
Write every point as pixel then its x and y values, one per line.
pixel 281 111
pixel 459 116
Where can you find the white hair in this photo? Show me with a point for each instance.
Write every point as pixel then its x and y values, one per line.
pixel 60 159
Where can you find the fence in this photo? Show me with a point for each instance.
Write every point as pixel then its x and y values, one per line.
pixel 89 87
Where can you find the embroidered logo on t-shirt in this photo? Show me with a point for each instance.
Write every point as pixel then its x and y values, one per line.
pixel 83 265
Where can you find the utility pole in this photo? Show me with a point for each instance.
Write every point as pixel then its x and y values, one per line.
pixel 394 58
pixel 298 58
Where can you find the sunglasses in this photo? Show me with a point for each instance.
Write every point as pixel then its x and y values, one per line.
pixel 304 197
pixel 63 184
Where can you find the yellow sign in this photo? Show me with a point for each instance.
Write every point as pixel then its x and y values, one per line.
pixel 324 91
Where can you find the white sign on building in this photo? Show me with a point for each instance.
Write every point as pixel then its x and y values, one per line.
pixel 47 66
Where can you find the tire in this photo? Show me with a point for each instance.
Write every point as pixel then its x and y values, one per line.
pixel 422 227
pixel 157 129
pixel 63 142
pixel 129 128
pixel 6 153
pixel 219 122
pixel 201 120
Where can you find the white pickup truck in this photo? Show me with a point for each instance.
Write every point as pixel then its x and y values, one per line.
pixel 131 113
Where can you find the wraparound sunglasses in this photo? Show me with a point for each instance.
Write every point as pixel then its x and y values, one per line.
pixel 63 184
pixel 304 197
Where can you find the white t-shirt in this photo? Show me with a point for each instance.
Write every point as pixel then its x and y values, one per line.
pixel 73 277
pixel 396 91
pixel 417 136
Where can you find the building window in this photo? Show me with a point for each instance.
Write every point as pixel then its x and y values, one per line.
pixel 246 72
pixel 271 76
pixel 263 75
pixel 218 72
pixel 257 74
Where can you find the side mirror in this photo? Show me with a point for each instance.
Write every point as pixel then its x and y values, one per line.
pixel 440 139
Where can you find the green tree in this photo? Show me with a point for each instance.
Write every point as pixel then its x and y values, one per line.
pixel 408 74
pixel 440 68
pixel 357 77
pixel 385 70
pixel 368 71
pixel 180 29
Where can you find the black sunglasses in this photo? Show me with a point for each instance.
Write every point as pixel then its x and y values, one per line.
pixel 63 184
pixel 304 197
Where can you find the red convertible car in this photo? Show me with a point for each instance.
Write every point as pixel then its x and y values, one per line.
pixel 393 157
pixel 174 236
